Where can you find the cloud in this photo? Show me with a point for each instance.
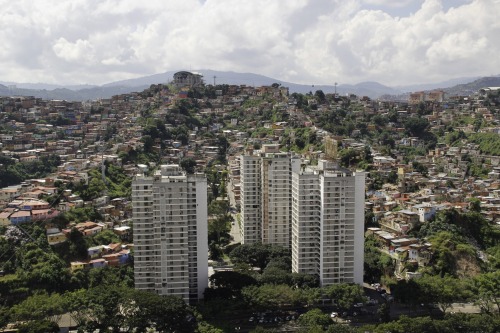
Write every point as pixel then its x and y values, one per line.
pixel 307 41
pixel 390 3
pixel 79 51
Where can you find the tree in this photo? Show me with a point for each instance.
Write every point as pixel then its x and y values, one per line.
pixel 257 255
pixel 270 296
pixel 111 276
pixel 320 95
pixel 105 237
pixel 99 308
pixel 276 275
pixel 303 280
pixel 148 142
pixel 232 281
pixel 443 291
pixel 204 327
pixel 41 270
pixel 485 289
pixel 348 157
pixel 188 164
pixel 341 328
pixel 117 307
pixel 222 145
pixel 377 263
pixel 39 326
pixel 384 312
pixel 5 316
pixel 416 126
pixel 164 313
pixel 314 317
pixel 77 244
pixel 218 227
pixel 40 307
pixel 475 205
pixel 419 167
pixel 345 295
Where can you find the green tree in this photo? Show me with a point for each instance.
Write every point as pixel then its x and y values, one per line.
pixel 341 328
pixel 475 205
pixel 218 227
pixel 40 307
pixel 276 275
pixel 39 326
pixel 204 327
pixel 377 263
pixel 104 237
pixel 416 126
pixel 188 164
pixel 41 270
pixel 320 95
pixel 270 296
pixel 441 290
pixel 384 312
pixel 257 255
pixel 345 295
pixel 485 289
pixel 314 317
pixel 98 308
pixel 168 314
pixel 232 281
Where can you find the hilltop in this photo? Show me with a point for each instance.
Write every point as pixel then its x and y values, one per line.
pixel 461 86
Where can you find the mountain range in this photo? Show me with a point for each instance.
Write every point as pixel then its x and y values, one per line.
pixel 457 86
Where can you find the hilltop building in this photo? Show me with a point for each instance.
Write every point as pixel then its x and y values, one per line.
pixel 188 79
pixel 170 233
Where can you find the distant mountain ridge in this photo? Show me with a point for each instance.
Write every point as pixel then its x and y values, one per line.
pixel 90 92
pixel 471 87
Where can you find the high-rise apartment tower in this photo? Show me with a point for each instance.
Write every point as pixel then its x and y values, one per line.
pixel 170 233
pixel 328 223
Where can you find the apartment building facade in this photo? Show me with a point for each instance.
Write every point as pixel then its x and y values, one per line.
pixel 276 204
pixel 170 233
pixel 266 196
pixel 328 223
pixel 250 199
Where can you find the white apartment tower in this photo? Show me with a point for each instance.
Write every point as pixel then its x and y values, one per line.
pixel 170 233
pixel 328 223
pixel 276 204
pixel 266 196
pixel 250 198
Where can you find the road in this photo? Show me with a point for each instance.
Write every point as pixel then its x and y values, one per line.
pixel 235 228
pixel 398 309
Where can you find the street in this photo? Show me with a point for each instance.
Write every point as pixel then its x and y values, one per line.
pixel 235 227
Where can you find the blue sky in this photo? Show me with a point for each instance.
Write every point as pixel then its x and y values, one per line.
pixel 304 41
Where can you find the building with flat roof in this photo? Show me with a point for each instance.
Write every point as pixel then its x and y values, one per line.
pixel 188 79
pixel 317 212
pixel 328 223
pixel 265 192
pixel 170 233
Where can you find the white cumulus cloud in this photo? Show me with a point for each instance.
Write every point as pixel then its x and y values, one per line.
pixel 307 41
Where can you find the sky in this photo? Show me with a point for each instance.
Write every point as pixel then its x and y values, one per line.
pixel 394 42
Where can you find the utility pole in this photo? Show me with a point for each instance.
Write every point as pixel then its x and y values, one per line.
pixel 214 79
